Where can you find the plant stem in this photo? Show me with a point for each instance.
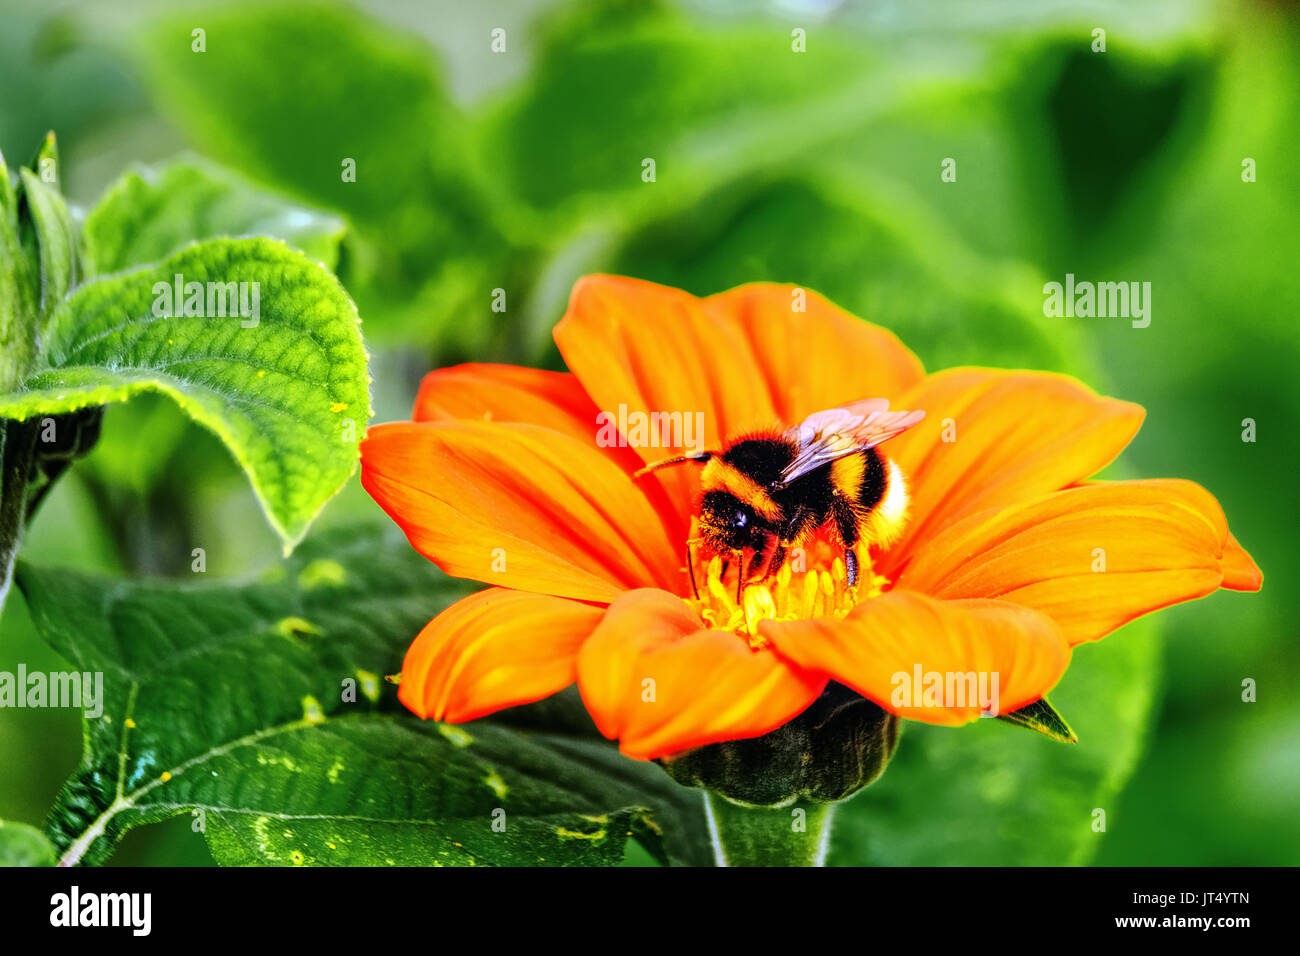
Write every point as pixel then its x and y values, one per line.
pixel 794 835
pixel 17 448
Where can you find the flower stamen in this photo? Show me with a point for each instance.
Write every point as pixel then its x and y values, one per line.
pixel 789 594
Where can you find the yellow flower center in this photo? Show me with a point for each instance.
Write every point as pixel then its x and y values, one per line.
pixel 789 594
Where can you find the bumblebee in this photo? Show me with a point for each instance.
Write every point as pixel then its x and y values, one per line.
pixel 772 490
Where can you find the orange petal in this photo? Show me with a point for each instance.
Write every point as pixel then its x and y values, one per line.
pixel 519 506
pixel 887 647
pixel 494 649
pixel 818 358
pixel 654 349
pixel 507 393
pixel 1093 557
pixel 1240 573
pixel 555 400
pixel 655 679
pixel 994 438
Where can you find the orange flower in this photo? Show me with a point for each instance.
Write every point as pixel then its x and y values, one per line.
pixel 500 479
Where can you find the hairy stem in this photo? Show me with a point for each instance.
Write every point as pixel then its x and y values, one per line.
pixel 795 835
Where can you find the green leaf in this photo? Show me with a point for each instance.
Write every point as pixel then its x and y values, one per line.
pixel 23 845
pixel 563 724
pixel 623 85
pixel 230 704
pixel 150 213
pixel 321 124
pixel 988 795
pixel 877 254
pixel 1222 347
pixel 351 89
pixel 676 812
pixel 288 395
pixel 1041 717
pixel 385 789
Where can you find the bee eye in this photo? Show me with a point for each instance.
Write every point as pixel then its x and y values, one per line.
pixel 740 519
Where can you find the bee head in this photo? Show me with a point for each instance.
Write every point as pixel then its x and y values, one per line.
pixel 728 524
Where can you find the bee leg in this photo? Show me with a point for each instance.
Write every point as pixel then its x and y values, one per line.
pixel 767 561
pixel 740 579
pixel 796 524
pixel 690 567
pixel 846 523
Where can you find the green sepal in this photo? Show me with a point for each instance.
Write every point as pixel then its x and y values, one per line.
pixel 839 745
pixel 19 289
pixel 1042 717
pixel 55 239
pixel 45 226
pixel 48 150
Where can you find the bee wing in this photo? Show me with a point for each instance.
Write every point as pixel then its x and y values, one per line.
pixel 838 432
pixel 835 420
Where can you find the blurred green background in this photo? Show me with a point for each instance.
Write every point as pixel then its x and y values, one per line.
pixel 522 170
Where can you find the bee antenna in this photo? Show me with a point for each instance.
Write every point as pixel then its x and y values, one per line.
pixel 700 457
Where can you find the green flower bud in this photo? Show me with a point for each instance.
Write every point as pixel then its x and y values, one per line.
pixel 841 743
